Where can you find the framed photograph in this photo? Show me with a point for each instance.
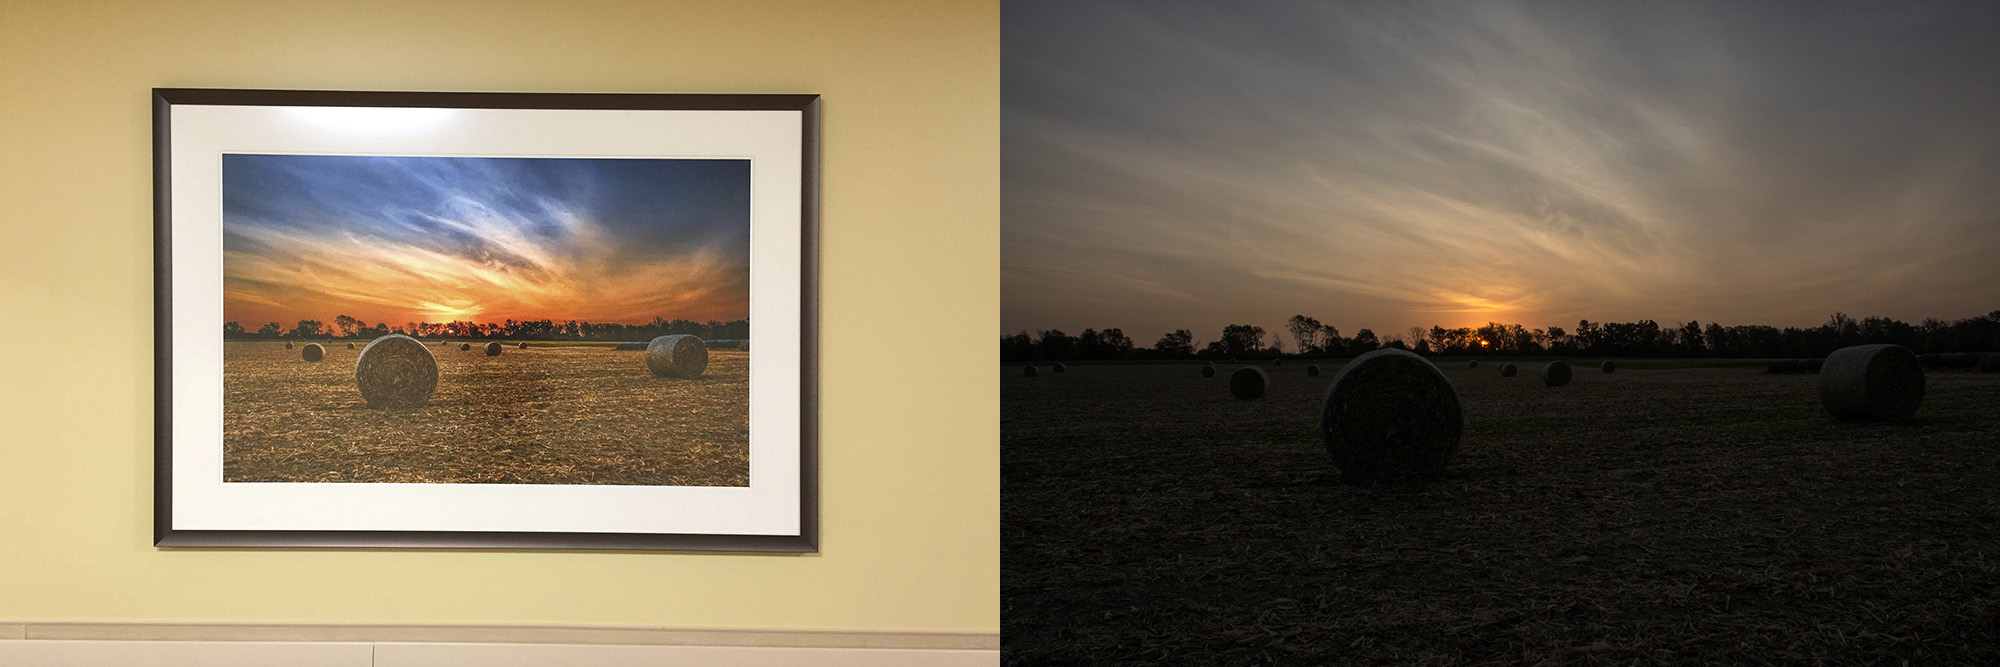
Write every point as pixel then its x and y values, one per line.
pixel 486 320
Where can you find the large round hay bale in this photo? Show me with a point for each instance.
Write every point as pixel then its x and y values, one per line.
pixel 1312 371
pixel 313 352
pixel 1508 370
pixel 1030 371
pixel 1248 382
pixel 396 371
pixel 1871 382
pixel 493 349
pixel 1391 415
pixel 1208 370
pixel 1607 367
pixel 1060 368
pixel 1555 373
pixel 464 346
pixel 1472 364
pixel 679 355
pixel 288 345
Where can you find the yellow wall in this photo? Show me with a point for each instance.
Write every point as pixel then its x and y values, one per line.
pixel 910 435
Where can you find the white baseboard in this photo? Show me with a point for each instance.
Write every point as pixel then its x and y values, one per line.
pixel 173 645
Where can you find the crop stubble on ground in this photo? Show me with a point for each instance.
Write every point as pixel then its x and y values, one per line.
pixel 1648 517
pixel 542 415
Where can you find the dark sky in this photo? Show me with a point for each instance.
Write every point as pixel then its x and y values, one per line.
pixel 1387 165
pixel 436 239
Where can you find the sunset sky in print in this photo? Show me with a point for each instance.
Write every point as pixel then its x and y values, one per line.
pixel 436 239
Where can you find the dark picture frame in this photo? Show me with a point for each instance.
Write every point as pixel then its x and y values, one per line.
pixel 184 517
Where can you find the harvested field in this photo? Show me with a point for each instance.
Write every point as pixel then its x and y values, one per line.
pixel 555 415
pixel 1651 516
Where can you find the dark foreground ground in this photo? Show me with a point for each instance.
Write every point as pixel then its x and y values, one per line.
pixel 1698 515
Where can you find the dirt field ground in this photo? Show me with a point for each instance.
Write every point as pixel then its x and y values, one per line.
pixel 1696 515
pixel 542 415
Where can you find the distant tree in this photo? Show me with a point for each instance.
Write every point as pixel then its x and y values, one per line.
pixel 1018 347
pixel 1116 343
pixel 1305 331
pixel 1238 339
pixel 1214 349
pixel 1417 337
pixel 269 330
pixel 347 325
pixel 1364 341
pixel 308 328
pixel 1178 344
pixel 232 330
pixel 1056 345
pixel 1330 342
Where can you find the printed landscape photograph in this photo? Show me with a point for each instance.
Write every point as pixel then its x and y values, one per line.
pixel 485 320
pixel 1500 333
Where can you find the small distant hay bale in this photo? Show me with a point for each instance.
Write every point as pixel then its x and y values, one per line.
pixel 1030 371
pixel 1060 368
pixel 288 345
pixel 1871 382
pixel 679 355
pixel 1781 366
pixel 1472 364
pixel 522 346
pixel 1607 367
pixel 313 352
pixel 1248 383
pixel 464 346
pixel 1277 362
pixel 1555 373
pixel 1811 365
pixel 1312 371
pixel 1208 370
pixel 396 371
pixel 629 346
pixel 1963 360
pixel 493 349
pixel 1390 415
pixel 1508 370
pixel 350 346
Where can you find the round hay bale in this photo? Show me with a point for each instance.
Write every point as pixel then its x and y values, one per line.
pixel 1811 365
pixel 1030 371
pixel 522 346
pixel 1871 382
pixel 1555 373
pixel 493 349
pixel 396 371
pixel 1607 367
pixel 1312 371
pixel 1508 370
pixel 1248 383
pixel 288 345
pixel 1989 362
pixel 1472 364
pixel 679 355
pixel 1060 368
pixel 1964 360
pixel 464 346
pixel 350 346
pixel 1391 415
pixel 1277 362
pixel 1208 370
pixel 313 352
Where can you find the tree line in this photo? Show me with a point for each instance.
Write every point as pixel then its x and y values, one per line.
pixel 351 328
pixel 1308 337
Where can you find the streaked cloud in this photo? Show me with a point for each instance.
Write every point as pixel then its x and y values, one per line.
pixel 1188 165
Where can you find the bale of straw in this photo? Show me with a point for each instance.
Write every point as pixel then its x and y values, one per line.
pixel 1811 365
pixel 1508 370
pixel 523 346
pixel 1312 371
pixel 464 346
pixel 1965 360
pixel 1060 368
pixel 1472 364
pixel 679 355
pixel 1989 362
pixel 1607 367
pixel 1555 373
pixel 1208 370
pixel 1871 382
pixel 313 352
pixel 396 371
pixel 1248 383
pixel 1390 415
pixel 1277 362
pixel 1030 371
pixel 288 345
pixel 350 346
pixel 629 346
pixel 493 349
